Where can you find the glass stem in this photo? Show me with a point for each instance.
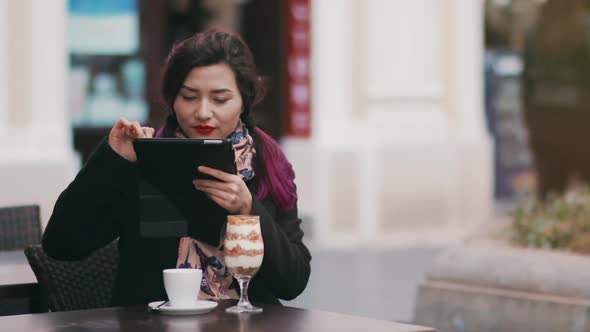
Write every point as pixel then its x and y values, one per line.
pixel 244 282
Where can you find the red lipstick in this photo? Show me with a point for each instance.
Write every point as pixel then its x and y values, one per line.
pixel 204 129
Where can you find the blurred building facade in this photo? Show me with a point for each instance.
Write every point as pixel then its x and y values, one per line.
pixel 397 141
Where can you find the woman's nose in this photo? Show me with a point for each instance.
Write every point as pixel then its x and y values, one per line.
pixel 204 110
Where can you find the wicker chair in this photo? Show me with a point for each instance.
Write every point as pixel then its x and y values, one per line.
pixel 20 226
pixel 75 285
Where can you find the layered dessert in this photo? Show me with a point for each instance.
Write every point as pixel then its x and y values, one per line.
pixel 243 245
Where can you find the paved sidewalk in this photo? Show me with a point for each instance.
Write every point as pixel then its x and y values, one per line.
pixel 376 283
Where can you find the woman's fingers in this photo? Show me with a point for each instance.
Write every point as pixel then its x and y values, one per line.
pixel 233 196
pixel 120 128
pixel 120 124
pixel 221 175
pixel 229 198
pixel 135 130
pixel 225 191
pixel 148 132
pixel 222 199
pixel 230 187
pixel 132 129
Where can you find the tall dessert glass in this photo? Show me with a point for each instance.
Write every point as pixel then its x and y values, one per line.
pixel 243 250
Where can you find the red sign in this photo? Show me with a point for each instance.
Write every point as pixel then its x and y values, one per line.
pixel 298 69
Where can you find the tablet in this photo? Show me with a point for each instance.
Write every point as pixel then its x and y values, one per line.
pixel 181 157
pixel 169 204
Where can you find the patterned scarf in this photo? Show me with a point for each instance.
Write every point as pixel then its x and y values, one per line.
pixel 217 281
pixel 244 151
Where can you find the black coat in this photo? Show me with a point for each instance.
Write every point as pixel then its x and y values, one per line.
pixel 101 204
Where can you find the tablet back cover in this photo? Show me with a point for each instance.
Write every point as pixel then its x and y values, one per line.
pixel 169 204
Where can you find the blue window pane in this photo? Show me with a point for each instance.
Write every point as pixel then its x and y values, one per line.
pixel 101 7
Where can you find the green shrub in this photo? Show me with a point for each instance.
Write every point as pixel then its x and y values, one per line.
pixel 558 222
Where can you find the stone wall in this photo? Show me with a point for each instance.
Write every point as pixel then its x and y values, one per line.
pixel 493 286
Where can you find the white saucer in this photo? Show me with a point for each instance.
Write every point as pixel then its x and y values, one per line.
pixel 200 307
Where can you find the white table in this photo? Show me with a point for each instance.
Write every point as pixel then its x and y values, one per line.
pixel 17 280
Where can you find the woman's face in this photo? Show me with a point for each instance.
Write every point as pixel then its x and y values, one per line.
pixel 209 103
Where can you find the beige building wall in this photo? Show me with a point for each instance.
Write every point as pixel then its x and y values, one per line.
pixel 399 150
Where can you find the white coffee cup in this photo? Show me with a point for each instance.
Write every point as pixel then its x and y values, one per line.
pixel 182 286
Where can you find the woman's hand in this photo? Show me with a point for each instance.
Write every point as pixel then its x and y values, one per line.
pixel 231 192
pixel 122 135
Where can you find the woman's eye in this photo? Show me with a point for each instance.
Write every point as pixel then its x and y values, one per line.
pixel 220 100
pixel 188 97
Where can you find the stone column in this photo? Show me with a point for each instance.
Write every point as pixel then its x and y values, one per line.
pixel 473 194
pixel 3 64
pixel 38 159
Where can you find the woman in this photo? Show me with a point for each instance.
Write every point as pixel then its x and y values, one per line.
pixel 210 87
